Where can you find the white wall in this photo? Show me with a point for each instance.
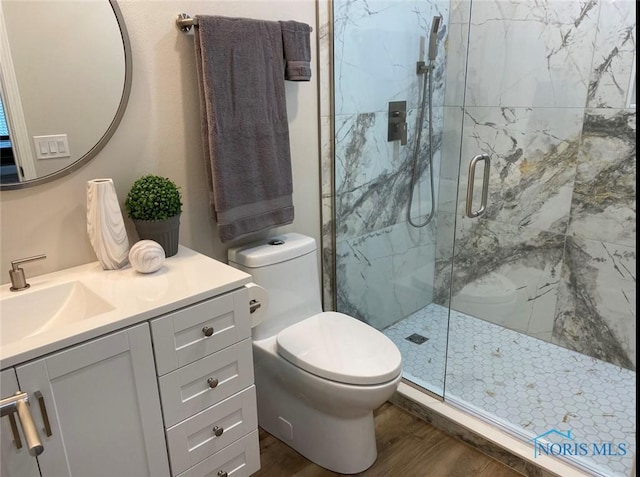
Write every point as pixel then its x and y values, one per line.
pixel 160 134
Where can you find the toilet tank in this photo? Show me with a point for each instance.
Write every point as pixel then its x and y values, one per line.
pixel 287 267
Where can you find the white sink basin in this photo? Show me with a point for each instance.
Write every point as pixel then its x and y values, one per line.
pixel 36 311
pixel 74 305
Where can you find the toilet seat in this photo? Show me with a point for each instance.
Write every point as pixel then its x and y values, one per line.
pixel 341 348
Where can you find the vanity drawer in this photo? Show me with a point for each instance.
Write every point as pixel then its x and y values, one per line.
pixel 179 338
pixel 195 439
pixel 187 391
pixel 240 459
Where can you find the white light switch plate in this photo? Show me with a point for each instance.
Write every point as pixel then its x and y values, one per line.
pixel 53 146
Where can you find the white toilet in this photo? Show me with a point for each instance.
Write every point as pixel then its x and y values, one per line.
pixel 319 375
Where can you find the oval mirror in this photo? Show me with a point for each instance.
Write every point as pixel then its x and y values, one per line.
pixel 65 78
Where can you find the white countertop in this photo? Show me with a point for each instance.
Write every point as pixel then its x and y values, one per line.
pixel 184 279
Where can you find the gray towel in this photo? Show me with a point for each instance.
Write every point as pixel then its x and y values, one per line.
pixel 297 50
pixel 244 123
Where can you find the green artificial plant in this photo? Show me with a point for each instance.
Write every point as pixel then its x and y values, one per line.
pixel 153 198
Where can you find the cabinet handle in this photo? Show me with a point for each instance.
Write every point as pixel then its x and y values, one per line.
pixel 14 429
pixel 207 331
pixel 19 403
pixel 212 382
pixel 29 428
pixel 222 473
pixel 45 414
pixel 217 431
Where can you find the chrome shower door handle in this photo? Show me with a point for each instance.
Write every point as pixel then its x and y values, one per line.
pixel 485 186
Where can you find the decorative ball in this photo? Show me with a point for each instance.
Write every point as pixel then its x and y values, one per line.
pixel 146 256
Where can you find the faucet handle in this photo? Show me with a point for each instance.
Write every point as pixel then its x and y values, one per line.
pixel 18 280
pixel 15 264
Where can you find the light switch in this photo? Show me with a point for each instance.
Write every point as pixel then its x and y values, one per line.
pixel 51 147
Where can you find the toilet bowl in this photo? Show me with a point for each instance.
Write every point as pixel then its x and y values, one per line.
pixel 319 375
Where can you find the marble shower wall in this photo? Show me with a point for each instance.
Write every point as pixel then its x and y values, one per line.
pixel 596 311
pixel 547 97
pixel 384 267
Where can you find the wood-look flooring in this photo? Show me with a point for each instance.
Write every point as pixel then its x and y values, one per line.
pixel 407 447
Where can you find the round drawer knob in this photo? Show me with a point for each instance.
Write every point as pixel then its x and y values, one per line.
pixel 212 382
pixel 217 431
pixel 222 473
pixel 207 330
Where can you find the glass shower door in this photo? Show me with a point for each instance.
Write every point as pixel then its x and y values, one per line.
pixel 542 326
pixel 385 266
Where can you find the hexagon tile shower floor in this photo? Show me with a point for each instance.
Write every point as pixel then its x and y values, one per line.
pixel 523 384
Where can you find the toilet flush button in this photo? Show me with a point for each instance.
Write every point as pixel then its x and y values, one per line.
pixel 276 242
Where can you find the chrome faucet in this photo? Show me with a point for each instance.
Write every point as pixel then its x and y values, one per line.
pixel 18 280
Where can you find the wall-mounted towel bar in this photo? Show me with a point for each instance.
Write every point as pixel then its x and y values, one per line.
pixel 184 22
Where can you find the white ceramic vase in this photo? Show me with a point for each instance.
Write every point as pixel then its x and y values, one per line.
pixel 105 224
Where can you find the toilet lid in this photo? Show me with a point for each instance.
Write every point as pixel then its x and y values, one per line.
pixel 341 348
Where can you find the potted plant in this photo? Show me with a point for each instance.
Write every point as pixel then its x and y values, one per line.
pixel 154 203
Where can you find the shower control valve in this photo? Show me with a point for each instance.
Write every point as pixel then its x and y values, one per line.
pixel 397 126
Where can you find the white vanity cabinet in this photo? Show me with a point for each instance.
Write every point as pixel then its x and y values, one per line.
pixel 205 374
pixel 157 384
pixel 103 408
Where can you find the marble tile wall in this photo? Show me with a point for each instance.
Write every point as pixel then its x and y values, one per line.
pixel 596 312
pixel 554 254
pixel 384 267
pixel 507 263
pixel 385 275
pixel 546 95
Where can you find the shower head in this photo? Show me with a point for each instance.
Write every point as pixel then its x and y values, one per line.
pixel 433 37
